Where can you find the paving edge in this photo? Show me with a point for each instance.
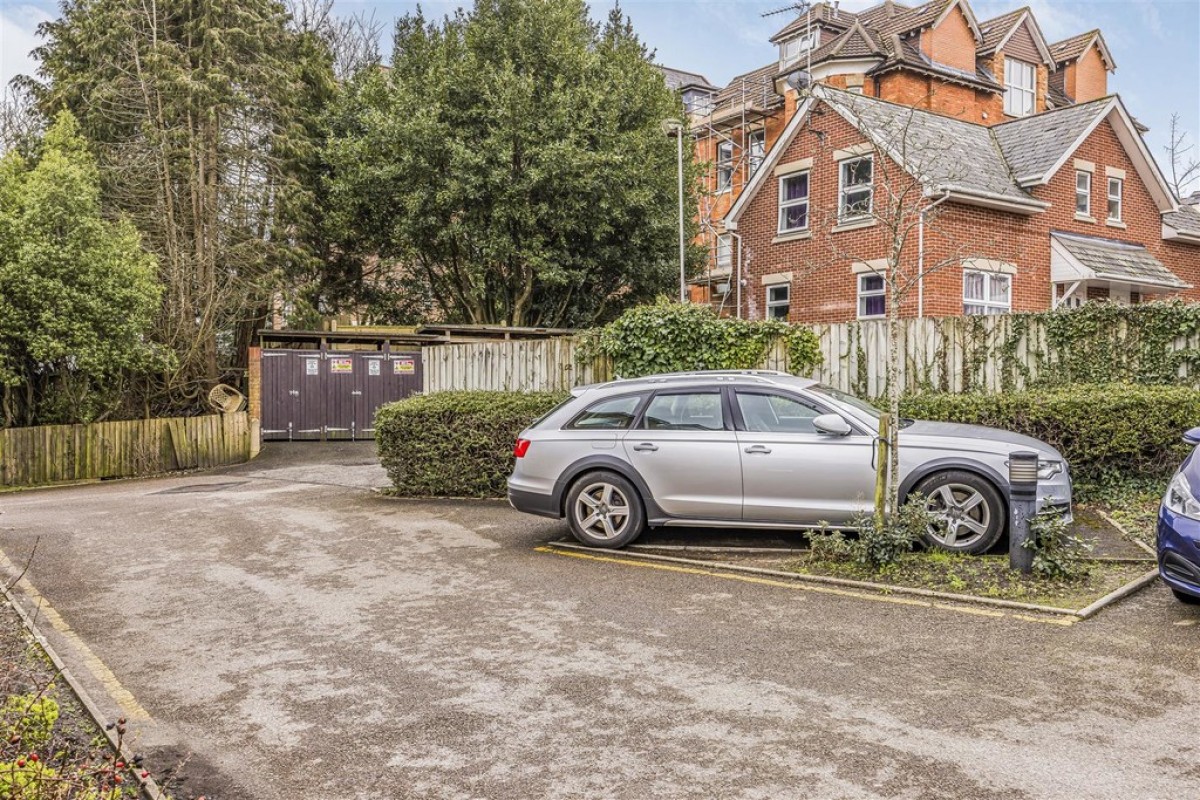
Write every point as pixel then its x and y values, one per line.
pixel 1124 532
pixel 149 786
pixel 884 588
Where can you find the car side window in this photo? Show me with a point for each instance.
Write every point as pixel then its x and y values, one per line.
pixel 693 411
pixel 772 413
pixel 613 414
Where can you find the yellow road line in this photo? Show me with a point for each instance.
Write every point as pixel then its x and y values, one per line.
pixel 130 707
pixel 807 587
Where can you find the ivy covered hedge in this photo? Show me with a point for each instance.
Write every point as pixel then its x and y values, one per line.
pixel 1107 432
pixel 454 444
pixel 668 336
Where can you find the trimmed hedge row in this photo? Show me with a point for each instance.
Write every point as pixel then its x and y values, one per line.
pixel 459 444
pixel 454 444
pixel 1107 433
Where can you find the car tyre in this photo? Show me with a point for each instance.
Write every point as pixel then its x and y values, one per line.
pixel 1184 597
pixel 604 509
pixel 970 507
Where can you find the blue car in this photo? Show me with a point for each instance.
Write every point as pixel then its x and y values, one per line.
pixel 1179 528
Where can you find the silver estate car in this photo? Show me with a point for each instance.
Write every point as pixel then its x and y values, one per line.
pixel 756 449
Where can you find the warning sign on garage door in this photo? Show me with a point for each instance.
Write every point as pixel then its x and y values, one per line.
pixel 404 366
pixel 341 365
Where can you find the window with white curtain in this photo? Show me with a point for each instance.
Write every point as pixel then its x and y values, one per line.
pixel 986 292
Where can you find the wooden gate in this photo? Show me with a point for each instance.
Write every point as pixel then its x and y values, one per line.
pixel 332 394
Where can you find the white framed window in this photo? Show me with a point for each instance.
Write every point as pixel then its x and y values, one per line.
pixel 793 202
pixel 855 194
pixel 724 251
pixel 724 166
pixel 986 292
pixel 791 50
pixel 779 301
pixel 872 296
pixel 1115 186
pixel 1083 193
pixel 757 146
pixel 1020 82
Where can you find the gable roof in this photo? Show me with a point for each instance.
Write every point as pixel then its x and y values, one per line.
pixel 1074 47
pixel 1033 145
pixel 1037 147
pixel 876 15
pixel 945 154
pixel 821 14
pixel 997 32
pixel 857 42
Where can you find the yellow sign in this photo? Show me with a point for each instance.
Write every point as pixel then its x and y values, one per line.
pixel 341 365
pixel 404 366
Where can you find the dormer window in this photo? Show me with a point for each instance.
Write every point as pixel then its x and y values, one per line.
pixel 1020 88
pixel 791 50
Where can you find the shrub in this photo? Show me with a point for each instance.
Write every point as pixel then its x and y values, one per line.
pixel 1058 552
pixel 1108 433
pixel 676 337
pixel 876 547
pixel 455 444
pixel 830 546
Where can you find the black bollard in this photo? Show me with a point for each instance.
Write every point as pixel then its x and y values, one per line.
pixel 1022 507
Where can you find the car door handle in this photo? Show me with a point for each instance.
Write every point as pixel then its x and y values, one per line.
pixel 645 447
pixel 757 448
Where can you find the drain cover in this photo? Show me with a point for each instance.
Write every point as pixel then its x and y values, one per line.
pixel 193 488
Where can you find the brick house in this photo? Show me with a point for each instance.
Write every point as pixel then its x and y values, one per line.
pixel 1007 150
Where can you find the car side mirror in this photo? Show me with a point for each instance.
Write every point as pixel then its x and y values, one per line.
pixel 832 424
pixel 1192 436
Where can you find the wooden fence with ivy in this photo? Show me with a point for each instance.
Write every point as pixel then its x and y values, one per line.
pixel 951 354
pixel 50 454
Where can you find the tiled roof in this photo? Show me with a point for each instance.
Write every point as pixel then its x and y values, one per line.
pixel 1185 220
pixel 879 14
pixel 1056 90
pixel 1119 261
pixel 822 13
pixel 1070 49
pixel 1032 145
pixel 756 89
pixel 858 42
pixel 943 151
pixel 678 79
pixel 914 19
pixel 994 30
pixel 907 53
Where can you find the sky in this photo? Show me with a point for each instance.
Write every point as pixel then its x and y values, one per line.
pixel 1156 43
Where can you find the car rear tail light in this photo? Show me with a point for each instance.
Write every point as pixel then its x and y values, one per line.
pixel 521 448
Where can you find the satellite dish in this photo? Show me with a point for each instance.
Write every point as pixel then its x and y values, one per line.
pixel 799 80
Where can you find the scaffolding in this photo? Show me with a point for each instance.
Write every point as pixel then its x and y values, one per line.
pixel 734 122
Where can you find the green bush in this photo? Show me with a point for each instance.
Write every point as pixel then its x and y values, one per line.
pixel 455 444
pixel 1108 433
pixel 1059 552
pixel 676 337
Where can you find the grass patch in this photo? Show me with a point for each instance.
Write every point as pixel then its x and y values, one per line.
pixel 980 576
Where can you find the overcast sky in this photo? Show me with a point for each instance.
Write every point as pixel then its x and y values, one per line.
pixel 1156 43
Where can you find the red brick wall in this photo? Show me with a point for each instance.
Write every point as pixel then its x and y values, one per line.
pixel 824 288
pixel 951 42
pixel 1091 79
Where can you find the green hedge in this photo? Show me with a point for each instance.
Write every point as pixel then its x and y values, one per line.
pixel 454 444
pixel 1109 432
pixel 459 444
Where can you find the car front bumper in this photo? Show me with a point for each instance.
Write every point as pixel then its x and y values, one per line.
pixel 1179 551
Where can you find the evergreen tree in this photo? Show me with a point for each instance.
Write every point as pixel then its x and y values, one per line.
pixel 511 166
pixel 77 292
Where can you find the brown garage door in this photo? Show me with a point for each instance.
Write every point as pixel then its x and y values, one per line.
pixel 332 394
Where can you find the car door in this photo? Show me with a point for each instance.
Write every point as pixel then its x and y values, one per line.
pixel 686 451
pixel 790 472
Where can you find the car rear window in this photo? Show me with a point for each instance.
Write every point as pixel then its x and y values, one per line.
pixel 698 411
pixel 612 414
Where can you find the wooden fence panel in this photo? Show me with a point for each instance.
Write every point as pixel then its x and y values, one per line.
pixel 60 453
pixel 955 354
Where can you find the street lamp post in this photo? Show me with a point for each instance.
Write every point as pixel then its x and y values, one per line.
pixel 674 127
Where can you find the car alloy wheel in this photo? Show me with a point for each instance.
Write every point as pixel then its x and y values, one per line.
pixel 964 512
pixel 602 510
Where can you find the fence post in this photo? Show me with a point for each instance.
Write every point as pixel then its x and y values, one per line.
pixel 1022 506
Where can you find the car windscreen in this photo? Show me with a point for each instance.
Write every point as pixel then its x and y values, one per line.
pixel 846 399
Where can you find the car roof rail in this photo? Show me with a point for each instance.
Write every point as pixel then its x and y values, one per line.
pixel 758 375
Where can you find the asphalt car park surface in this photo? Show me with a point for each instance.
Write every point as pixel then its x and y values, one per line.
pixel 291 633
